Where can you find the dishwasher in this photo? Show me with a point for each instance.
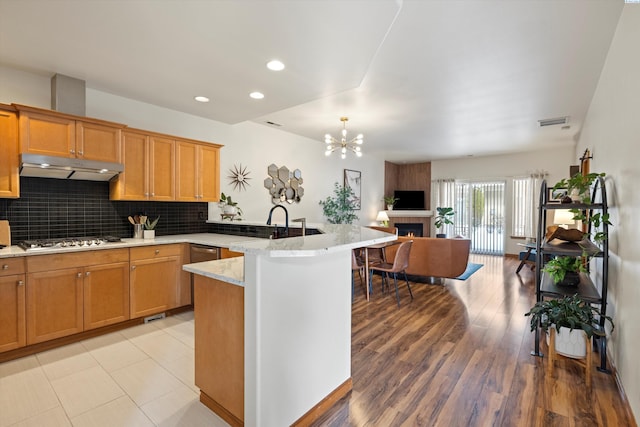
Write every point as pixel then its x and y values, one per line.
pixel 201 253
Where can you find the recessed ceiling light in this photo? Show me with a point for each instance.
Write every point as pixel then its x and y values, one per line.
pixel 201 99
pixel 275 65
pixel 256 95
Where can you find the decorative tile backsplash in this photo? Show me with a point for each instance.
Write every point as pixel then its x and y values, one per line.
pixel 51 208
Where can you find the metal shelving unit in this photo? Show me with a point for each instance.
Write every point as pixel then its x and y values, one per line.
pixel 587 289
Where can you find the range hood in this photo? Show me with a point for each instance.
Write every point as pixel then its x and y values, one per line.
pixel 34 165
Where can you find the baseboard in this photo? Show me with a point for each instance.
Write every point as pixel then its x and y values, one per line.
pixel 220 410
pixel 324 405
pixel 623 394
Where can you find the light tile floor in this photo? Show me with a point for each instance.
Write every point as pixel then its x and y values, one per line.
pixel 141 376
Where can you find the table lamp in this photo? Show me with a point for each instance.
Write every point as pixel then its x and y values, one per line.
pixel 563 218
pixel 383 218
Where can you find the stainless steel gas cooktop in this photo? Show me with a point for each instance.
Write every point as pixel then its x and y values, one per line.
pixel 68 242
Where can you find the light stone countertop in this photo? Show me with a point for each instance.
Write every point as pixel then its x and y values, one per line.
pixel 230 270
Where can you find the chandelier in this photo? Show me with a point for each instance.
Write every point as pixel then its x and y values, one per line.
pixel 342 144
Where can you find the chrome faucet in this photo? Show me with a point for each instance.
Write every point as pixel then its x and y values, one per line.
pixel 304 224
pixel 286 217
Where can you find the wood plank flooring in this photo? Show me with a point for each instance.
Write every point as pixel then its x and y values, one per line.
pixel 459 355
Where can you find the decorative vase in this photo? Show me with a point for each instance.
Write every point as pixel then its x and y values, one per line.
pixel 230 210
pixel 149 234
pixel 570 343
pixel 389 207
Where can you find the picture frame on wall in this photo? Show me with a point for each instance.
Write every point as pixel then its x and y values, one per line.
pixel 353 180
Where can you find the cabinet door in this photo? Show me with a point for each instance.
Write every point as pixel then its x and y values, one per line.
pixel 133 183
pixel 209 173
pixel 9 165
pixel 186 171
pixel 162 155
pixel 97 142
pixel 154 285
pixel 12 320
pixel 47 134
pixel 54 304
pixel 106 294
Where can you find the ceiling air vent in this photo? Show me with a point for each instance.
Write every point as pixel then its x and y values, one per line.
pixel 552 122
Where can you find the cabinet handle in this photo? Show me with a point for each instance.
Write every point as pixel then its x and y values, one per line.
pixel 157 251
pixel 5 266
pixel 72 151
pixel 153 194
pixel 133 267
pixel 79 274
pixel 20 282
pixel 87 274
pixel 80 153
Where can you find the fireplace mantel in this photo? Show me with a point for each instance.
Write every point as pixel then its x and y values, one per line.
pixel 410 214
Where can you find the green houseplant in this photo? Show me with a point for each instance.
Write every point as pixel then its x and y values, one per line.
pixel 579 187
pixel 149 228
pixel 229 207
pixel 338 208
pixel 570 312
pixel 444 217
pixel 389 201
pixel 565 269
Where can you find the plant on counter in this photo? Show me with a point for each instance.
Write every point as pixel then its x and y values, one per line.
pixel 569 312
pixel 338 208
pixel 151 225
pixel 229 207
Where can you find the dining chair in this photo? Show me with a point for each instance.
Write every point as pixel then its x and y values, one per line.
pixel 400 264
pixel 376 256
pixel 356 265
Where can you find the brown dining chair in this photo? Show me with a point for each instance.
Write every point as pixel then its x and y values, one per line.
pixel 376 255
pixel 356 265
pixel 400 264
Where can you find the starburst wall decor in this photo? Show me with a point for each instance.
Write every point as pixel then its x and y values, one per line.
pixel 239 177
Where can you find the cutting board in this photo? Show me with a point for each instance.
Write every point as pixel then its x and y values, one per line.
pixel 5 233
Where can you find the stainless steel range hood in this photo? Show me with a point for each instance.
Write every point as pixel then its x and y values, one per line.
pixel 34 165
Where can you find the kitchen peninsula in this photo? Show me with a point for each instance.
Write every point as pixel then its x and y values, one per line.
pixel 273 328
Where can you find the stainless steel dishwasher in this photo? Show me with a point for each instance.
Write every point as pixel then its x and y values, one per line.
pixel 201 253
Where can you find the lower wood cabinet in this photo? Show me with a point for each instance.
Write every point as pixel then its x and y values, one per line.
pixel 12 304
pixel 155 279
pixel 71 292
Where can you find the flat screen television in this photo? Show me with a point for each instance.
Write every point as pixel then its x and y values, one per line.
pixel 409 200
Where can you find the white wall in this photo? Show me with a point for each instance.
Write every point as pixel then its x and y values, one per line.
pixel 503 168
pixel 612 131
pixel 252 145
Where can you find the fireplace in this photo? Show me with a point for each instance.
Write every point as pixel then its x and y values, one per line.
pixel 413 229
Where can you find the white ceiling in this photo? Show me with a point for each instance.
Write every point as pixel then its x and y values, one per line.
pixel 422 79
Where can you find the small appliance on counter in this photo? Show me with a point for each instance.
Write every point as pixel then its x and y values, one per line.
pixel 5 234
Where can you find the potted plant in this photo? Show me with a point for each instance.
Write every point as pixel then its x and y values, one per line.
pixel 444 217
pixel 149 228
pixel 390 201
pixel 338 208
pixel 579 187
pixel 229 208
pixel 565 270
pixel 572 313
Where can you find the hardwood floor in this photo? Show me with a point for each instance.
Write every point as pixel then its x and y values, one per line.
pixel 459 355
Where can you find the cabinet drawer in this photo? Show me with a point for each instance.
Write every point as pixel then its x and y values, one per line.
pixel 77 259
pixel 10 266
pixel 156 251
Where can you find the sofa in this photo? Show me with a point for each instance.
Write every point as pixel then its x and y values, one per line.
pixel 434 257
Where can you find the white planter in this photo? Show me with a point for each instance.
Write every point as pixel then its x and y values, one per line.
pixel 570 343
pixel 149 234
pixel 230 210
pixel 389 207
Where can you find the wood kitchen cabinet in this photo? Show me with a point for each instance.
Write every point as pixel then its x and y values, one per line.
pixel 71 292
pixel 12 304
pixel 155 279
pixel 9 162
pixel 197 171
pixel 149 168
pixel 51 133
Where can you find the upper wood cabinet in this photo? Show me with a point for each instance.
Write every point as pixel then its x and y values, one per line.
pixel 149 168
pixel 197 172
pixel 55 134
pixel 9 162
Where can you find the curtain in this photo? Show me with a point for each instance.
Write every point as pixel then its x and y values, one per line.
pixel 443 195
pixel 532 200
